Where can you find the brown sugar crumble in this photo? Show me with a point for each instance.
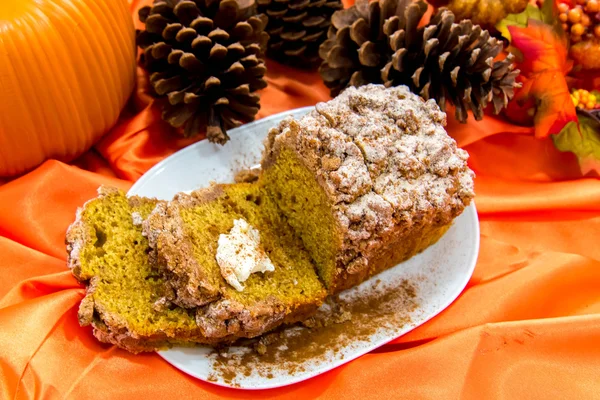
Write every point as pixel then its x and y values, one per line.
pixel 342 322
pixel 247 175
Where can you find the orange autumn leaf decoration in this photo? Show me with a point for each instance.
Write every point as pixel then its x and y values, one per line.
pixel 543 70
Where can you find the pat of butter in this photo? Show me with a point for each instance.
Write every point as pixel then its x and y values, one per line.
pixel 240 254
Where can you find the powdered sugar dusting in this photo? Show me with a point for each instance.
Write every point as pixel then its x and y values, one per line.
pixel 137 218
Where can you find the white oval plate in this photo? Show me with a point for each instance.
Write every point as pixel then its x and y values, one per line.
pixel 447 266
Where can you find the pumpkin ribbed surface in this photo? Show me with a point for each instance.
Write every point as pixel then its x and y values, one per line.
pixel 67 68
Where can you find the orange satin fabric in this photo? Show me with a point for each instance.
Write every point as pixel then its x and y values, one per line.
pixel 527 325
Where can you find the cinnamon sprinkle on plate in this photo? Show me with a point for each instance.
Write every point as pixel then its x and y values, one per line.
pixel 340 323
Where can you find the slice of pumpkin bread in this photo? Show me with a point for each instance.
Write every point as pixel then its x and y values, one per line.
pixel 188 236
pixel 367 180
pixel 107 252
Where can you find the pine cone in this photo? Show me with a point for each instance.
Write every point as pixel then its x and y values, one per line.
pixel 356 47
pixel 205 61
pixel 449 62
pixel 297 28
pixel 442 60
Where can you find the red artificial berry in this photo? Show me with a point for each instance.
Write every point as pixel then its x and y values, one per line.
pixel 592 6
pixel 574 15
pixel 585 20
pixel 563 8
pixel 577 30
pixel 563 17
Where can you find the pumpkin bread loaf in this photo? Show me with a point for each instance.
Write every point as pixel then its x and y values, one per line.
pixel 356 186
pixel 367 180
pixel 185 235
pixel 107 252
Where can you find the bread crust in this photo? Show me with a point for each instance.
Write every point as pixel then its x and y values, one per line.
pixel 171 250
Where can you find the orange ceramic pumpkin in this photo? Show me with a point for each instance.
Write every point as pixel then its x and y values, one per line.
pixel 67 68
